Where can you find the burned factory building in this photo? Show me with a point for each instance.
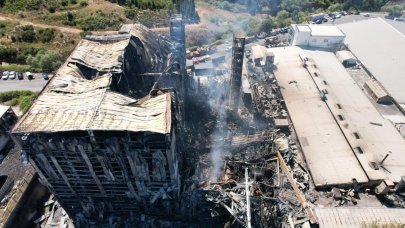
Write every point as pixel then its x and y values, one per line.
pixel 137 130
pixel 103 133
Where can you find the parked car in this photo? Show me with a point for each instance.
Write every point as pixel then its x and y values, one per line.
pixel 20 75
pixel 11 75
pixel 5 75
pixel 45 76
pixel 366 14
pixel 30 76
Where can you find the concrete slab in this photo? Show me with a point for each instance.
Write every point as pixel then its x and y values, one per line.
pixel 348 217
pixel 363 126
pixel 328 155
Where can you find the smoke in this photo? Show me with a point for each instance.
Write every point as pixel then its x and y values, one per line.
pixel 218 103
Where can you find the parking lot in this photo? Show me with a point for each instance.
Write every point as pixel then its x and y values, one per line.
pixel 36 84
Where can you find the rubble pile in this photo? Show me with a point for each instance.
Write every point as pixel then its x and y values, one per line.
pixel 266 95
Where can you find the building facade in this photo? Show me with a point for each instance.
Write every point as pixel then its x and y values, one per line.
pixel 318 36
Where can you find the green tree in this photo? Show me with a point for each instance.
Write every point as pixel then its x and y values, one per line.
pixel 395 11
pixel 335 7
pixel 45 61
pixel 251 26
pixel 282 15
pixel 267 25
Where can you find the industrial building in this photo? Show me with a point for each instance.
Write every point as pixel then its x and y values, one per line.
pixel 379 47
pixel 102 134
pixel 318 36
pixel 343 137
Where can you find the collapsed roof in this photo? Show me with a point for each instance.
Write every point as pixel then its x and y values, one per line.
pixel 83 96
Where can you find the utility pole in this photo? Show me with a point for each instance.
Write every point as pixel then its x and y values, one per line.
pixel 248 222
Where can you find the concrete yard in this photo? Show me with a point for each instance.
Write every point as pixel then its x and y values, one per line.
pixel 315 126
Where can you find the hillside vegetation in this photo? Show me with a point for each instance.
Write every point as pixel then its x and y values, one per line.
pixel 89 15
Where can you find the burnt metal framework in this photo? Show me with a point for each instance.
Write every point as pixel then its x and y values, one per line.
pixel 178 34
pixel 98 173
pixel 238 49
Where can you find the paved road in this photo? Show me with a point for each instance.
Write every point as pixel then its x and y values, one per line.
pixel 35 85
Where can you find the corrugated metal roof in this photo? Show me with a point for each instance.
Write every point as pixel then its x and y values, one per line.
pixel 71 102
pixel 104 56
pixel 376 88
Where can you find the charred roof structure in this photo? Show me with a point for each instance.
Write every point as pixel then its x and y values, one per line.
pixel 102 133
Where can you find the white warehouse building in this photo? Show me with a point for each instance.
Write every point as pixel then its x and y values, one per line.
pixel 321 36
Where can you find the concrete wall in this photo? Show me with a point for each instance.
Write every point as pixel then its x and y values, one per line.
pixel 301 38
pixel 325 41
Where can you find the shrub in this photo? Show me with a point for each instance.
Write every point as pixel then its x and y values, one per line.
pixel 20 14
pixel 85 33
pixel 73 2
pixel 52 9
pixel 64 2
pixel 10 95
pixel 23 98
pixel 24 33
pixel 83 3
pixel 129 13
pixel 46 35
pixel 33 5
pixel 99 21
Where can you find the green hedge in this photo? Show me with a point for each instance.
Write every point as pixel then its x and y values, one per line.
pixel 22 98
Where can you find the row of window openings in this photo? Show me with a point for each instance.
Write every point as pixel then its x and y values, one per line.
pixel 325 40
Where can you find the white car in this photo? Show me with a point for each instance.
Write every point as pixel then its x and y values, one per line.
pixel 11 75
pixel 5 75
